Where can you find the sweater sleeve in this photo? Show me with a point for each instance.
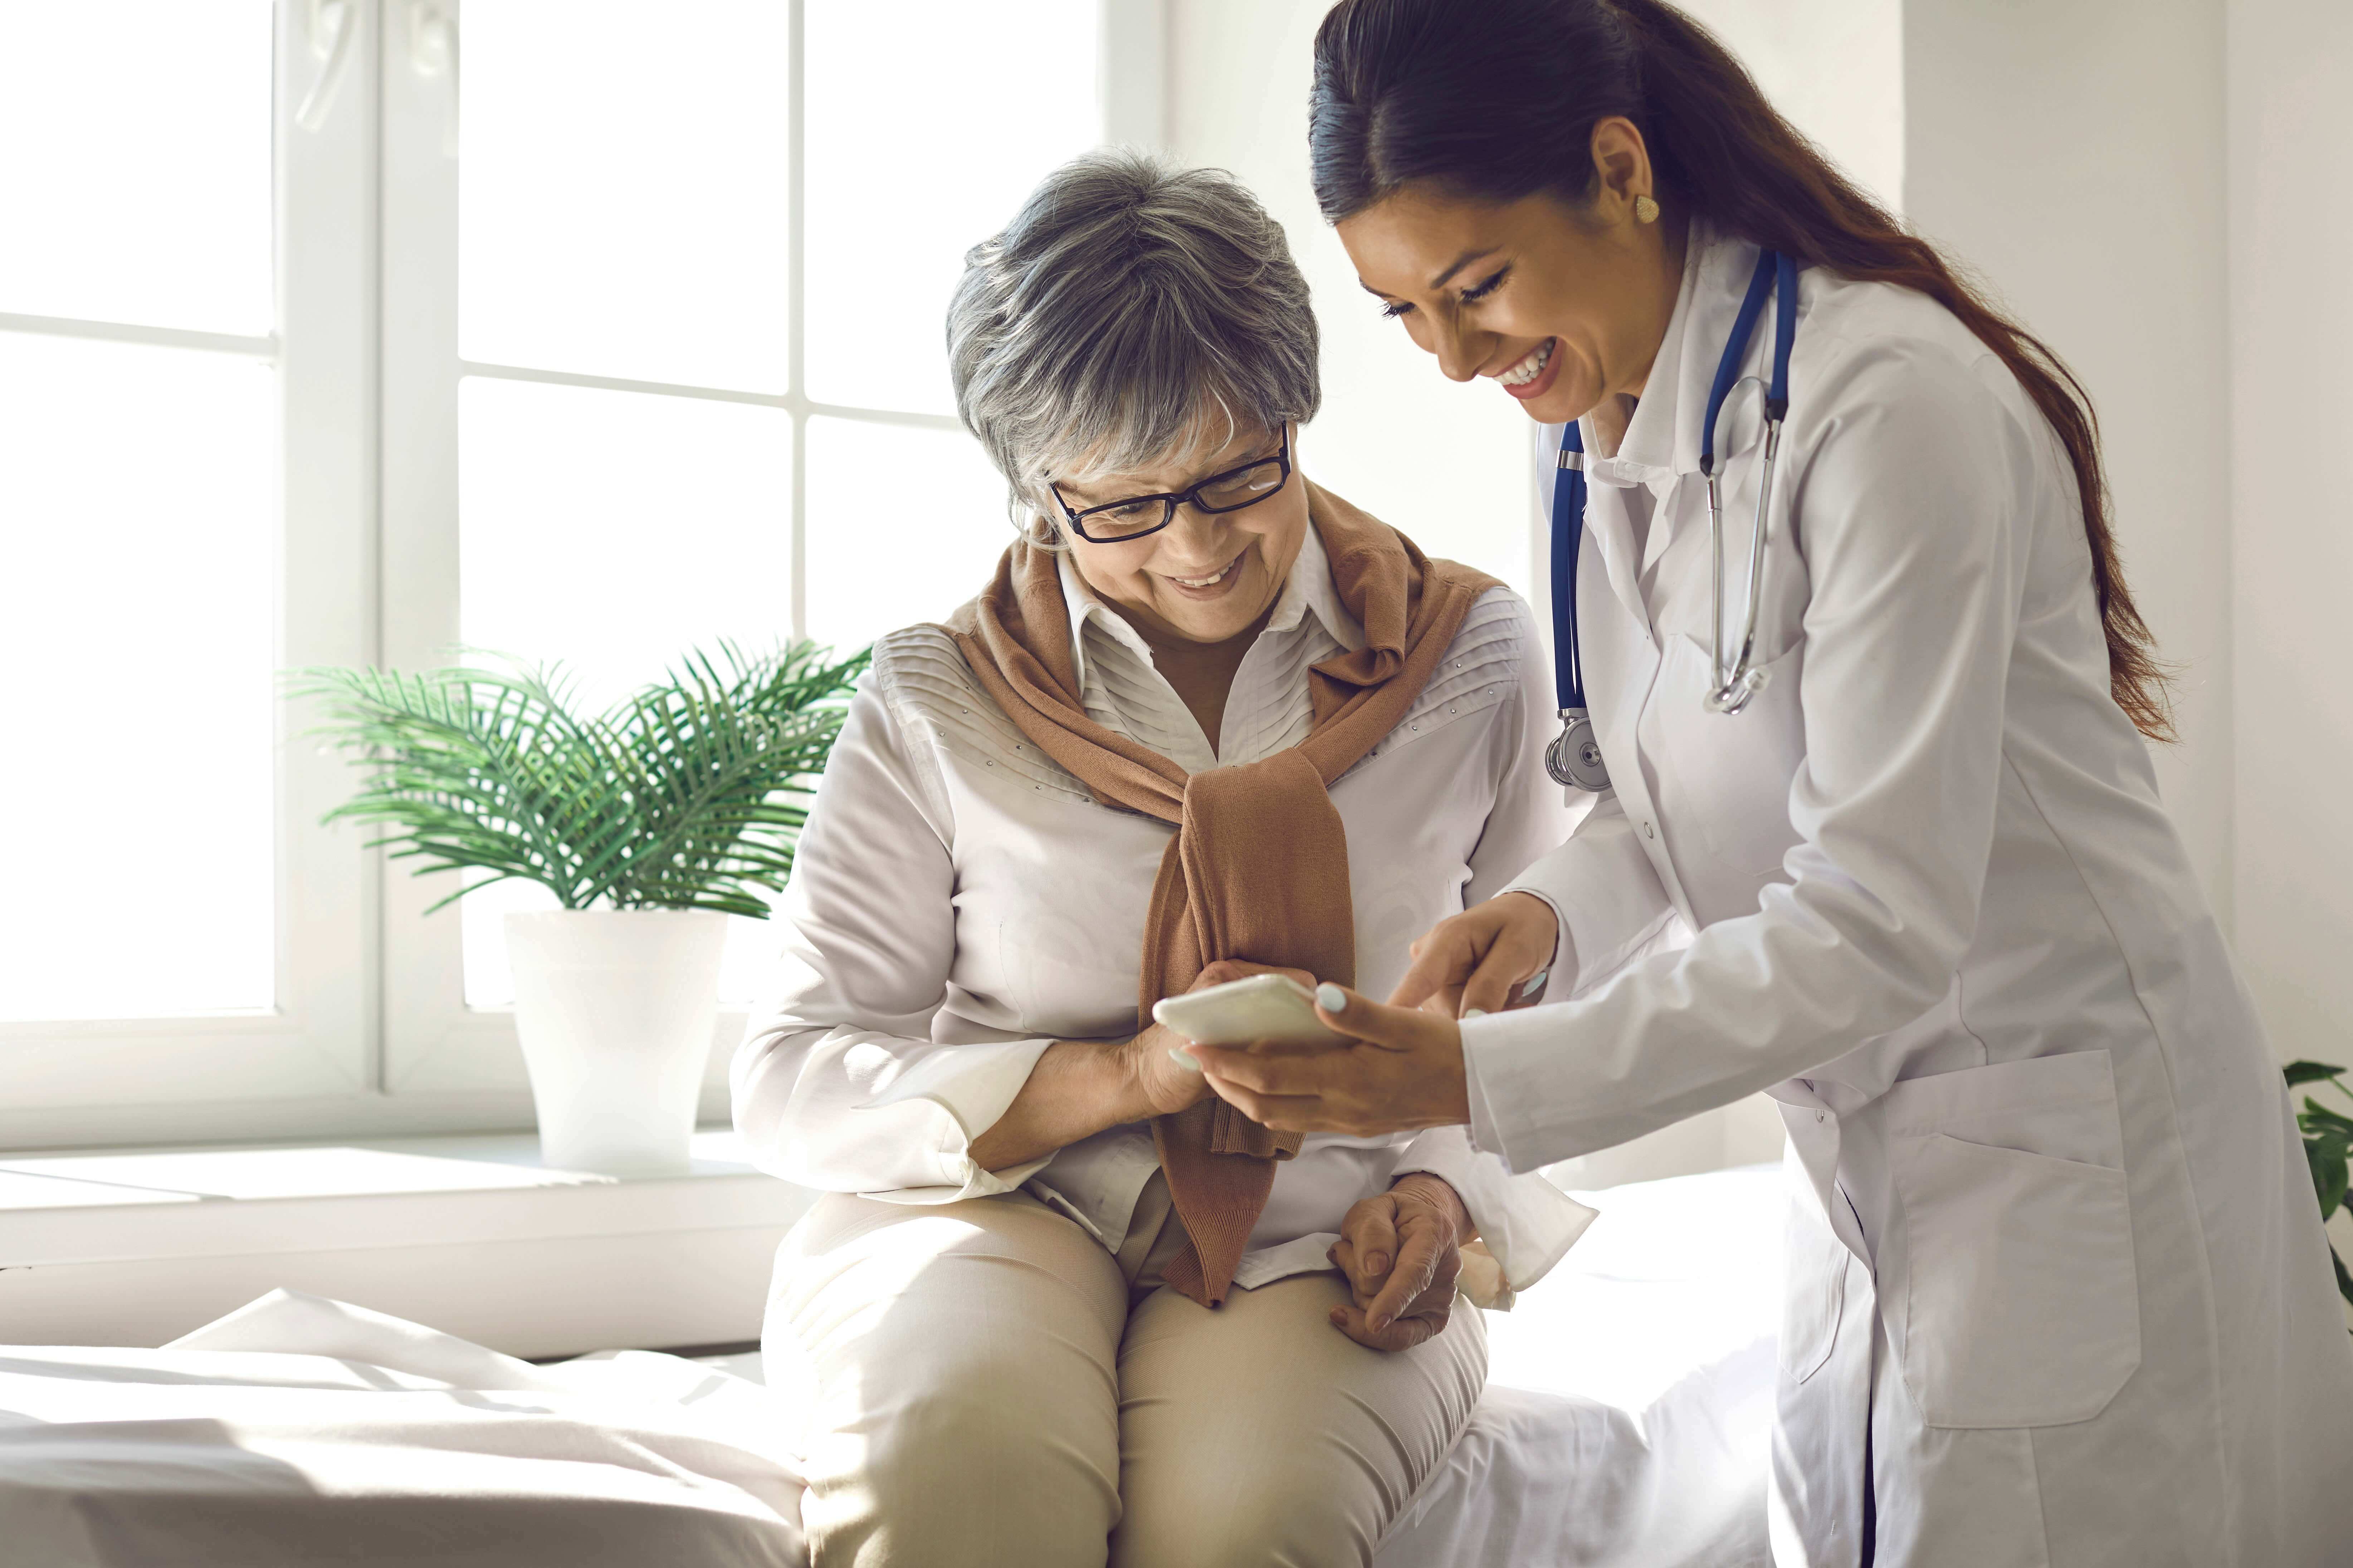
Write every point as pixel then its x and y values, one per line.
pixel 837 1084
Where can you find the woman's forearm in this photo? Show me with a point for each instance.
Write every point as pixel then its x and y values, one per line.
pixel 1077 1089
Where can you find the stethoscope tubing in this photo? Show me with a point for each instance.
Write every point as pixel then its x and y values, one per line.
pixel 1574 758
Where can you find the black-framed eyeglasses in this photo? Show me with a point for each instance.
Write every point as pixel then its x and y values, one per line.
pixel 1118 522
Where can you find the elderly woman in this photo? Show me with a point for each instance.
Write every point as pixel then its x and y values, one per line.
pixel 1059 1304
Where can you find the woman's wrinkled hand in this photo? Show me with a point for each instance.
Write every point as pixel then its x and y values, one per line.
pixel 1401 1252
pixel 1166 1076
pixel 1480 960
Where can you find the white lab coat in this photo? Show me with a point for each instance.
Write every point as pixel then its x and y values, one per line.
pixel 2055 1262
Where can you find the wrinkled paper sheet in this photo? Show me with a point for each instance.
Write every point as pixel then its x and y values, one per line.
pixel 1625 1423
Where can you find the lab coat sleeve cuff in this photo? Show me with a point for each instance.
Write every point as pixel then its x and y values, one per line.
pixel 1484 1137
pixel 958 1095
pixel 1526 1222
pixel 1504 1057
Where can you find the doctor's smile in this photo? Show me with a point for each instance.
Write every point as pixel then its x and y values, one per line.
pixel 1531 375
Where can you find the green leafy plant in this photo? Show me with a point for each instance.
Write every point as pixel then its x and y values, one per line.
pixel 688 794
pixel 2327 1148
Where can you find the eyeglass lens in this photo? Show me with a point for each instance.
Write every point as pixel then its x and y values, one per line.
pixel 1226 492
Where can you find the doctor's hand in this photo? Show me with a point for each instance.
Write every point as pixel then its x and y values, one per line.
pixel 1401 1252
pixel 1166 1079
pixel 1481 959
pixel 1402 1071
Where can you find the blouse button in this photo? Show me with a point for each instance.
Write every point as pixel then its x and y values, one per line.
pixel 1648 831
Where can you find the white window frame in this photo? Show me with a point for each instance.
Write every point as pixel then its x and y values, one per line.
pixel 371 1033
pixel 227 1074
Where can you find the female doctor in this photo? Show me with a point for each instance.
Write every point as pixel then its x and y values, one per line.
pixel 2056 1290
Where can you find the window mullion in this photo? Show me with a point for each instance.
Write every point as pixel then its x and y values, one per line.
pixel 326 284
pixel 797 297
pixel 424 1020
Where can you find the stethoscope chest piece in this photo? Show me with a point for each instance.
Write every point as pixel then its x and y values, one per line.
pixel 1574 758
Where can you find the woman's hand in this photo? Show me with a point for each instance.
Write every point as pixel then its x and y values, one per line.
pixel 1404 1072
pixel 1166 1079
pixel 1078 1088
pixel 1401 1252
pixel 1479 961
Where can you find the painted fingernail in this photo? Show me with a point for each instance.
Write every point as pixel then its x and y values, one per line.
pixel 1183 1058
pixel 1331 999
pixel 1474 1012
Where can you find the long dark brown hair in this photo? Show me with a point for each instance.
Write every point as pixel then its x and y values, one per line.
pixel 1497 100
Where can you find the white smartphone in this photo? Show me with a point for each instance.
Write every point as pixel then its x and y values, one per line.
pixel 1274 1008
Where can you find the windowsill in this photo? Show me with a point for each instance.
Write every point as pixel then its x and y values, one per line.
pixel 472 1229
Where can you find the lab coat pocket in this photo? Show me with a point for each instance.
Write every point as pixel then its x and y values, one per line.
pixel 2021 1308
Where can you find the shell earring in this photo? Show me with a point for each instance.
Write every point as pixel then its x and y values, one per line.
pixel 1645 210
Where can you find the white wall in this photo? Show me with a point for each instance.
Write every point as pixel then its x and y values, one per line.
pixel 1835 70
pixel 2071 151
pixel 2289 141
pixel 2290 229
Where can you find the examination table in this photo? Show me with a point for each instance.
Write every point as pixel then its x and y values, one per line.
pixel 1626 1421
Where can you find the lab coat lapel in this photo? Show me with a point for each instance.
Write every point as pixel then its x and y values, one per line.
pixel 1662 441
pixel 1613 531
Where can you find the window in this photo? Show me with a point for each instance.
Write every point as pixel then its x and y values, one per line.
pixel 365 331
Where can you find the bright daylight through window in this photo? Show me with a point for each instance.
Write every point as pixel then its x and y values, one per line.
pixel 624 216
pixel 318 349
pixel 137 510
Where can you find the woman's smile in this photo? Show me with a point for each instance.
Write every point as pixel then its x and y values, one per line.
pixel 1215 585
pixel 1531 375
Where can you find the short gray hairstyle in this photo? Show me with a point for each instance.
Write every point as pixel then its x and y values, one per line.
pixel 1129 310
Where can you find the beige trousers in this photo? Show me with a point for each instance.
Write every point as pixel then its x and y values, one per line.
pixel 986 1386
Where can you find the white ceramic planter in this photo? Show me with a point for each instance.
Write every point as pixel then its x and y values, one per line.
pixel 616 1008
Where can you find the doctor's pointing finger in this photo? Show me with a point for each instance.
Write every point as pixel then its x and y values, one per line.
pixel 1404 1071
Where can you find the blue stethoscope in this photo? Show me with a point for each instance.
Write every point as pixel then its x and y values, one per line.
pixel 1575 757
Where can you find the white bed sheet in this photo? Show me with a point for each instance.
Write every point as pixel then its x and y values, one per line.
pixel 1628 1416
pixel 1625 1421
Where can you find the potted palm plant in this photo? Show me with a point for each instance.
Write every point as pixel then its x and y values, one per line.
pixel 650 822
pixel 2327 1150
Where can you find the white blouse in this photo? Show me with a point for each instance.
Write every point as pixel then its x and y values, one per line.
pixel 958 903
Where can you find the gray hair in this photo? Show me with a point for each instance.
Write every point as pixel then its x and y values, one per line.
pixel 1129 310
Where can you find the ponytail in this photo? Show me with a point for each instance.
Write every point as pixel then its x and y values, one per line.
pixel 1498 101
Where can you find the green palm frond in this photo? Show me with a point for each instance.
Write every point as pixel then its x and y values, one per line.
pixel 2327 1149
pixel 689 793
